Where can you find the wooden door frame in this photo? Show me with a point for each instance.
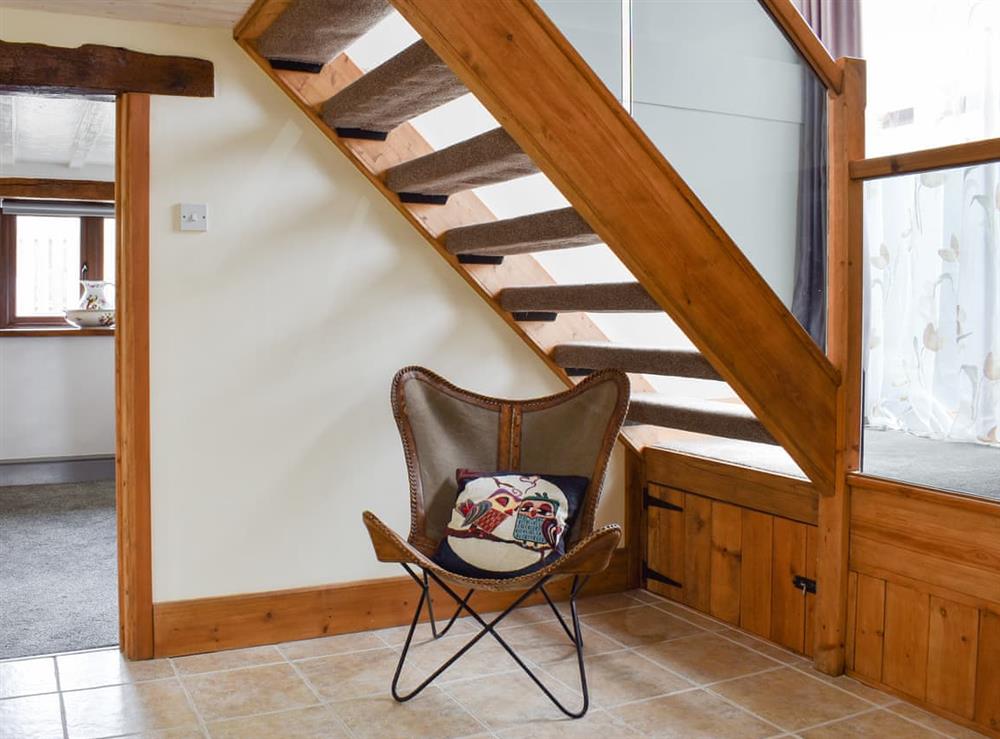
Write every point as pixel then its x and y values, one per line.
pixel 132 427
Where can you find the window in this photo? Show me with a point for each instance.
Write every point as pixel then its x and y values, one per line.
pixel 46 248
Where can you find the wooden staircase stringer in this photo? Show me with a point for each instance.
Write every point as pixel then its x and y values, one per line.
pixel 309 91
pixel 577 133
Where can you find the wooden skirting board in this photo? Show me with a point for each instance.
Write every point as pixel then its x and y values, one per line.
pixel 231 622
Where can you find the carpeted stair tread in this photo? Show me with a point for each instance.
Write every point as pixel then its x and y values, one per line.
pixel 412 82
pixel 546 231
pixel 604 297
pixel 595 355
pixel 486 159
pixel 715 418
pixel 313 32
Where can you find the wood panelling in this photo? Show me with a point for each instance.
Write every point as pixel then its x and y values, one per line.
pixel 904 652
pixel 757 563
pixel 698 552
pixel 93 69
pixel 231 622
pixel 926 160
pixel 987 710
pixel 727 556
pixel 135 566
pixel 770 492
pixel 870 626
pixel 734 563
pixel 26 187
pixel 566 120
pixel 952 646
pixel 788 602
pixel 809 639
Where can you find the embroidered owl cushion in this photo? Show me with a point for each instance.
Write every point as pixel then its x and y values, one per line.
pixel 506 524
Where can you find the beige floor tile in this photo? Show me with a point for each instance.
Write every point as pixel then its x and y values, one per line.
pixel 487 657
pixel 790 699
pixel 595 725
pixel 127 709
pixel 601 603
pixel 227 660
pixel 511 701
pixel 327 645
pixel 107 667
pixel 27 677
pixel 619 677
pixel 191 732
pixel 220 695
pixel 875 724
pixel 932 721
pixel 315 722
pixel 33 717
pixel 692 715
pixel 768 648
pixel 691 615
pixel 522 616
pixel 430 714
pixel 353 675
pixel 545 643
pixel 851 686
pixel 396 635
pixel 707 658
pixel 645 596
pixel 636 626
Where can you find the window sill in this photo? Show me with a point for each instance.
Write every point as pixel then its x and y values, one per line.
pixel 31 331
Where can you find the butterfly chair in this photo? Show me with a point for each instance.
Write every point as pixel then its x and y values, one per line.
pixel 443 428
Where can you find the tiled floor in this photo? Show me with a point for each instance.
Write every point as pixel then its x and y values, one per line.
pixel 655 669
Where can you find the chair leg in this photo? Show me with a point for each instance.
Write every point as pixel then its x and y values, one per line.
pixel 430 610
pixel 490 628
pixel 575 590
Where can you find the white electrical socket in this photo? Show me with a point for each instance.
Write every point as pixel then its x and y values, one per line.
pixel 193 217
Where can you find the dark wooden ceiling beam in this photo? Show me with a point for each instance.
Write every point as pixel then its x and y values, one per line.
pixel 107 70
pixel 28 187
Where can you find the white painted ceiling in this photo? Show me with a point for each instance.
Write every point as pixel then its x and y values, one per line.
pixel 222 13
pixel 57 137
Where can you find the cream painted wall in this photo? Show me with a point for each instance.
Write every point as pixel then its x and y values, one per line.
pixel 57 397
pixel 275 334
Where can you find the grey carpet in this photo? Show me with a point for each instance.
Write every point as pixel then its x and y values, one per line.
pixel 315 31
pixel 485 159
pixel 551 229
pixel 58 568
pixel 945 465
pixel 598 297
pixel 700 416
pixel 412 82
pixel 597 355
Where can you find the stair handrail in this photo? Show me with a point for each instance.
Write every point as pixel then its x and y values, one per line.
pixel 804 39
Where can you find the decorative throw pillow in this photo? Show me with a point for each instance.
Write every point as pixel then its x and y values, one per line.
pixel 506 524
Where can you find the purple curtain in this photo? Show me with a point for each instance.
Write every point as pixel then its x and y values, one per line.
pixel 837 23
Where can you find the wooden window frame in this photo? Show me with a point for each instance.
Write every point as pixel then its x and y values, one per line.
pixel 91 255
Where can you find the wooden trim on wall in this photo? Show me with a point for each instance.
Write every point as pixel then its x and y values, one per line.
pixel 759 490
pixel 231 622
pixel 927 160
pixel 135 568
pixel 30 187
pixel 107 70
pixel 799 33
pixel 845 289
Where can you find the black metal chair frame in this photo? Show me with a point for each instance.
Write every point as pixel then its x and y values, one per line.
pixel 575 635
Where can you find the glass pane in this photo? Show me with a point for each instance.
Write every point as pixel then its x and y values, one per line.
pixel 109 250
pixel 47 265
pixel 920 100
pixel 932 362
pixel 594 27
pixel 741 117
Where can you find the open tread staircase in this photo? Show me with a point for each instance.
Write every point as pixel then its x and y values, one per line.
pixel 300 44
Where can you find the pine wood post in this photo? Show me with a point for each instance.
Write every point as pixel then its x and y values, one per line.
pixel 846 112
pixel 135 589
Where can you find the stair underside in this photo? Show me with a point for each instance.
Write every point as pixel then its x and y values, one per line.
pixel 312 32
pixel 547 231
pixel 611 297
pixel 486 159
pixel 703 417
pixel 412 82
pixel 591 355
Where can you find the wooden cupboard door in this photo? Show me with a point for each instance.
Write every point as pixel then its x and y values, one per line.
pixel 788 603
pixel 755 584
pixel 698 552
pixel 870 627
pixel 726 562
pixel 665 541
